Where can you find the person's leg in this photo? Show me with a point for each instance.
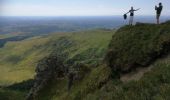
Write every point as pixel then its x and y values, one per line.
pixel 130 20
pixel 157 18
pixel 158 21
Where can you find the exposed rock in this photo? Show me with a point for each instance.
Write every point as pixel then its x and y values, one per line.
pixel 76 73
pixel 49 68
pixel 52 68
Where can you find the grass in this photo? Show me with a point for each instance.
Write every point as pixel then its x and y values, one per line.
pixel 19 59
pixel 141 45
pixel 97 84
pixel 7 94
pixel 57 89
pixel 17 91
pixel 154 85
pixel 138 46
pixel 3 36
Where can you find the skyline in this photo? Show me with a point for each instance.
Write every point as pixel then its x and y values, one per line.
pixel 79 7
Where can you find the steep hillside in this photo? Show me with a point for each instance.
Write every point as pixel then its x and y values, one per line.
pixel 154 85
pixel 17 91
pixel 138 46
pixel 97 84
pixel 19 58
pixel 131 47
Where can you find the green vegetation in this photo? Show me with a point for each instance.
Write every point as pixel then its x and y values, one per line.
pixel 19 59
pixel 138 46
pixel 131 47
pixel 142 45
pixel 57 89
pixel 16 91
pixel 7 35
pixel 7 94
pixel 154 85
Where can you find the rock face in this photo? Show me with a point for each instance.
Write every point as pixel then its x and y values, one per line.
pixel 77 73
pixel 52 68
pixel 49 68
pixel 137 46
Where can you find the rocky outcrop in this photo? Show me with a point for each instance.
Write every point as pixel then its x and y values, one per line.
pixel 52 68
pixel 49 68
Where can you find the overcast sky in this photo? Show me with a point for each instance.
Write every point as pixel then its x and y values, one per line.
pixel 78 7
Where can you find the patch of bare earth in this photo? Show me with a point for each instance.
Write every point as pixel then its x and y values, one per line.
pixel 138 73
pixel 135 75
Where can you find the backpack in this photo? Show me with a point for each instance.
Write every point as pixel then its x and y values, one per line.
pixel 125 16
pixel 156 7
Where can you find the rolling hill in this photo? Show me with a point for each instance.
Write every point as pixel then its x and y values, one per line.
pixel 19 58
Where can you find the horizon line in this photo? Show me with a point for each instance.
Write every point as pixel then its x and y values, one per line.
pixel 72 15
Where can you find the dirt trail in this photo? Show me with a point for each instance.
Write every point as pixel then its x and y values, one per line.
pixel 135 75
pixel 139 72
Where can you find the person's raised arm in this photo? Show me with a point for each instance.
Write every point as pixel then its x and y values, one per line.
pixel 128 12
pixel 137 9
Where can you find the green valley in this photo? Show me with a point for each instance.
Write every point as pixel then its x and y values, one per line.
pixel 19 58
pixel 97 64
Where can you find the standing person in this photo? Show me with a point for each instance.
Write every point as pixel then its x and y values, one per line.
pixel 158 12
pixel 131 11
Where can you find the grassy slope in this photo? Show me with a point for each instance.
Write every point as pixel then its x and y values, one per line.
pixel 57 89
pixel 98 84
pixel 7 94
pixel 19 59
pixel 3 36
pixel 138 46
pixel 154 85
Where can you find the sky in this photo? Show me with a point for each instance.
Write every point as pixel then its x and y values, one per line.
pixel 79 7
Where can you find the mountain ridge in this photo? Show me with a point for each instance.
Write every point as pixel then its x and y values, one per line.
pixel 146 42
pixel 87 62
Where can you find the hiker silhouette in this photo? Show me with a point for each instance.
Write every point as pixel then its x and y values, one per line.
pixel 131 11
pixel 158 12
